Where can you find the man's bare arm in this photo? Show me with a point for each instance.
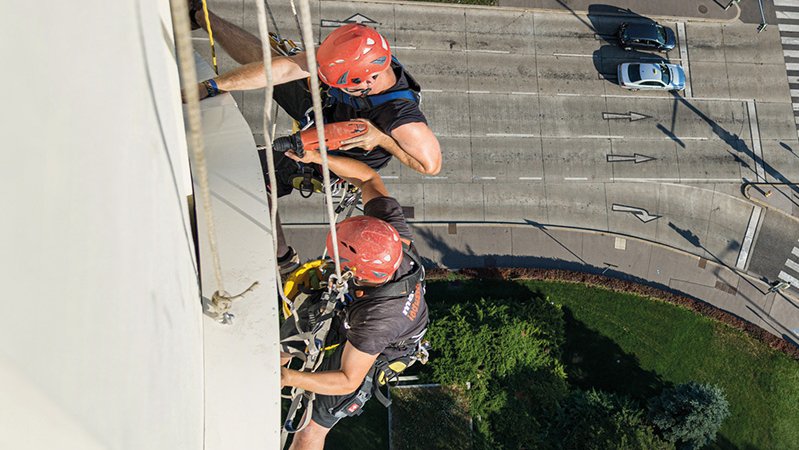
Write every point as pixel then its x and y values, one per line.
pixel 352 170
pixel 355 364
pixel 413 144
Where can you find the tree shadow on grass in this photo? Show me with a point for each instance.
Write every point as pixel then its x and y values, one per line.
pixel 596 361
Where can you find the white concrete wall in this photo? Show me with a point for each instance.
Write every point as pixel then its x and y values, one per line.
pixel 101 329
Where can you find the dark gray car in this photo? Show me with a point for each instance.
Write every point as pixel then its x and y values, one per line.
pixel 648 36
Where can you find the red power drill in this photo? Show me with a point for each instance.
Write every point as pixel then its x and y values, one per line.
pixel 309 139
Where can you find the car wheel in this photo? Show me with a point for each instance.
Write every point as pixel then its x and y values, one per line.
pixel 627 49
pixel 633 89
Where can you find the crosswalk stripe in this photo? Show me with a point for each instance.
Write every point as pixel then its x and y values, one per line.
pixel 791 53
pixel 786 2
pixel 795 251
pixel 787 27
pixel 794 92
pixel 790 41
pixel 787 278
pixel 787 15
pixel 792 66
pixel 793 80
pixel 791 264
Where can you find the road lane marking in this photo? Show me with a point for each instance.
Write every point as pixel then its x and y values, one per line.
pixel 678 180
pixel 436 178
pixel 389 177
pixel 683 39
pixel 791 264
pixel 749 237
pixel 574 55
pixel 478 92
pixel 531 178
pixel 503 52
pixel 486 178
pixel 787 278
pixel 575 178
pixel 755 133
pixel 524 93
pixel 403 47
pixel 510 135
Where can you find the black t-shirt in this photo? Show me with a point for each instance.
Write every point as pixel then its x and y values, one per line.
pixel 378 325
pixel 387 117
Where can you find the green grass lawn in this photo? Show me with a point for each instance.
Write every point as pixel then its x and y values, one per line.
pixel 636 346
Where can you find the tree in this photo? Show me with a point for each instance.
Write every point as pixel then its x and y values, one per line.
pixel 689 414
pixel 597 420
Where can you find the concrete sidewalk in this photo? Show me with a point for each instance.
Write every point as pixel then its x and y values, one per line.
pixel 701 10
pixel 469 245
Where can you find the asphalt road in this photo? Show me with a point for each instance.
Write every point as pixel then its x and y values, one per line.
pixel 534 127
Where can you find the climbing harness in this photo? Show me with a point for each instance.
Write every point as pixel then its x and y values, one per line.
pixel 316 306
pixel 312 317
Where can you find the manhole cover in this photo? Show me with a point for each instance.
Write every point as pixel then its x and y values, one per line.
pixel 703 9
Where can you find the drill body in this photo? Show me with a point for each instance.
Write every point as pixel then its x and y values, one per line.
pixel 308 139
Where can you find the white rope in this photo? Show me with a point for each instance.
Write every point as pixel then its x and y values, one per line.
pixel 310 54
pixel 266 50
pixel 188 75
pixel 220 300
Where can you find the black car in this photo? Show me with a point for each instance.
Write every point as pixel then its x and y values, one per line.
pixel 648 36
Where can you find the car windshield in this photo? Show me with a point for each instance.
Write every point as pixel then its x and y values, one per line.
pixel 661 35
pixel 634 72
pixel 665 74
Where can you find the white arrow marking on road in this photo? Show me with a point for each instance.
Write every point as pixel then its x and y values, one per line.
pixel 355 18
pixel 642 214
pixel 636 158
pixel 631 116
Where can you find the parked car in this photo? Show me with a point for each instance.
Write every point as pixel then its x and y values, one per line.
pixel 651 76
pixel 648 36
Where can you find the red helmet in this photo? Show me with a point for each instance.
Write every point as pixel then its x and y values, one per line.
pixel 351 54
pixel 369 247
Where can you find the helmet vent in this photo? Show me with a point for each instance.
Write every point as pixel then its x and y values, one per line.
pixel 349 247
pixel 380 61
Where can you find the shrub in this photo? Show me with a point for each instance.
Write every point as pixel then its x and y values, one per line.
pixel 507 353
pixel 689 414
pixel 596 420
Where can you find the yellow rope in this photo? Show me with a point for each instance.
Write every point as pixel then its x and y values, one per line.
pixel 210 37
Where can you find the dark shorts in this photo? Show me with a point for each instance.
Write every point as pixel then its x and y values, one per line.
pixel 325 405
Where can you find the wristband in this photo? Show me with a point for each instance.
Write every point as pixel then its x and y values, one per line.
pixel 211 88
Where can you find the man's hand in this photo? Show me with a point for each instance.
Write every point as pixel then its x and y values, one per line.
pixel 310 157
pixel 367 141
pixel 201 91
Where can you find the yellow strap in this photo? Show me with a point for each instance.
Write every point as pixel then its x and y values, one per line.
pixel 210 37
pixel 307 276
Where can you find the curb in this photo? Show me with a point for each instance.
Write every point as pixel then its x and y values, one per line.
pixel 748 186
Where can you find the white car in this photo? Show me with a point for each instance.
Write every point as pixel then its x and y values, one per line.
pixel 651 76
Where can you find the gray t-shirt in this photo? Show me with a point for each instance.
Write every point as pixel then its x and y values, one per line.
pixel 378 324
